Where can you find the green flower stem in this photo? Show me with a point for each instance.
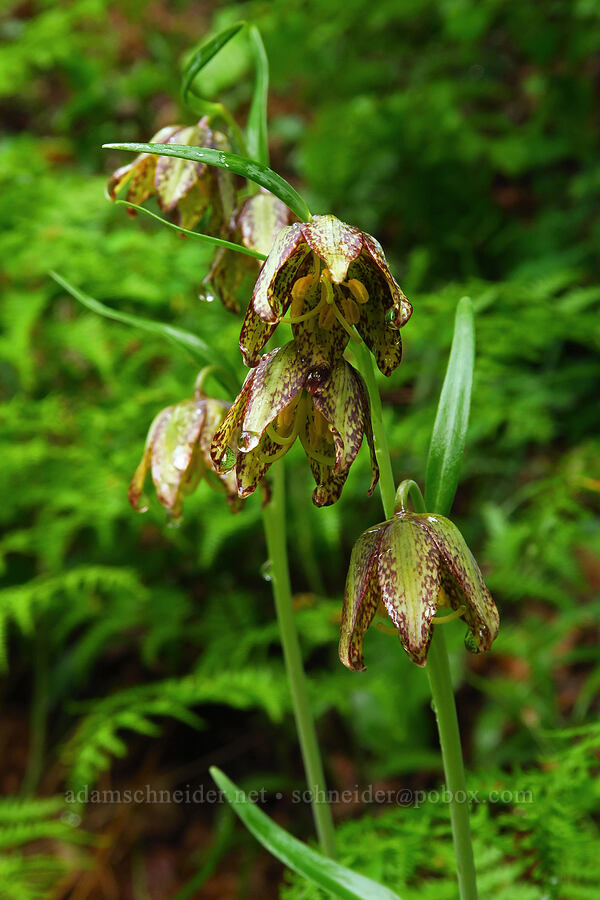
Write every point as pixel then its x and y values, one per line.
pixel 438 672
pixel 438 669
pixel 366 365
pixel 275 532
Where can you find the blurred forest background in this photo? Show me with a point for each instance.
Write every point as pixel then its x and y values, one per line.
pixel 464 135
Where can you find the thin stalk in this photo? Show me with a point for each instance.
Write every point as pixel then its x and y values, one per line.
pixel 438 669
pixel 438 672
pixel 275 533
pixel 366 365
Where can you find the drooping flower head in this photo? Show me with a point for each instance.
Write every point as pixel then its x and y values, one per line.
pixel 184 189
pixel 285 397
pixel 255 225
pixel 414 564
pixel 332 277
pixel 177 453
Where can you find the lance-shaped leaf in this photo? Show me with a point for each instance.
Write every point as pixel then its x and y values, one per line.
pixel 240 165
pixel 452 418
pixel 329 875
pixel 195 346
pixel 203 55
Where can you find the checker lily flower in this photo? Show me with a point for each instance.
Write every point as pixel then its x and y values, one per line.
pixel 332 278
pixel 185 190
pixel 285 397
pixel 411 566
pixel 256 226
pixel 177 453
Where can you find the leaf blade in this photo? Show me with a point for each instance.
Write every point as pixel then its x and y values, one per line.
pixel 240 165
pixel 204 54
pixel 452 418
pixel 206 238
pixel 326 873
pixel 195 346
pixel 256 127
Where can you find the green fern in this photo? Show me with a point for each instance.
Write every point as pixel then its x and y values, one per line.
pixel 97 738
pixel 539 843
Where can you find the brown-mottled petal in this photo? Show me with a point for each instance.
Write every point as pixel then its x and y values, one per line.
pixel 260 220
pixel 254 335
pixel 335 242
pixel 340 398
pixel 272 291
pixel 175 177
pixel 408 570
pixel 140 172
pixel 383 341
pixel 252 467
pixel 399 299
pixel 466 584
pixel 136 487
pixel 224 434
pixel 361 597
pixel 277 380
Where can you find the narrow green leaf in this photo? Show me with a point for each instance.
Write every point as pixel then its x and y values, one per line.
pixel 452 418
pixel 327 874
pixel 256 127
pixel 195 346
pixel 248 168
pixel 203 55
pixel 206 238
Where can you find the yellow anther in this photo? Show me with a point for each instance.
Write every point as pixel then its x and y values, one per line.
pixel 327 317
pixel 350 310
pixel 299 291
pixel 286 417
pixel 358 290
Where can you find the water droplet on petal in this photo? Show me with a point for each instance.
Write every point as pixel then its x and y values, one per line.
pixel 205 295
pixel 228 460
pixel 470 642
pixel 266 570
pixel 180 458
pixel 248 440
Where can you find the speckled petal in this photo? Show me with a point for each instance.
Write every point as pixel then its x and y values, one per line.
pixel 251 467
pixel 361 597
pixel 408 569
pixel 174 177
pixel 335 242
pixel 382 338
pixel 399 301
pixel 216 410
pixel 469 587
pixel 223 439
pixel 260 220
pixel 341 399
pixel 324 345
pixel 136 487
pixel 140 173
pixel 174 444
pixel 254 335
pixel 276 381
pixel 272 291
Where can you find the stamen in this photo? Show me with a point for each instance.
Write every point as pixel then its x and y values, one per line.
pixel 443 620
pixel 358 290
pixel 326 316
pixel 299 291
pixel 345 326
pixel 351 310
pixel 386 629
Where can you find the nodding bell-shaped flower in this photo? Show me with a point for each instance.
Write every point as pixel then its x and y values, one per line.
pixel 177 453
pixel 184 190
pixel 285 397
pixel 256 226
pixel 414 564
pixel 332 278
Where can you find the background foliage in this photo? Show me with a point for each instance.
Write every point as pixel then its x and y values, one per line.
pixel 464 135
